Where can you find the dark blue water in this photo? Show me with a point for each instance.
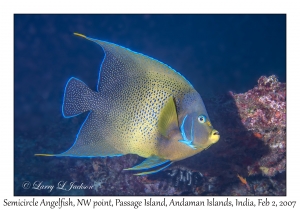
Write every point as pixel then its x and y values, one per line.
pixel 216 53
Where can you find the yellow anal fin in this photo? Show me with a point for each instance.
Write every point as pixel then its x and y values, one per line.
pixel 168 118
pixel 44 155
pixel 78 34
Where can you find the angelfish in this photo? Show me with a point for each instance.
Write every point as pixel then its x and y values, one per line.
pixel 142 106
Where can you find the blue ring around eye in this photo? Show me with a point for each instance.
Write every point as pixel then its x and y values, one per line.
pixel 202 118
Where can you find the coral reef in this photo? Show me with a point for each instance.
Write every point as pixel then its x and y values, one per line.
pixel 253 130
pixel 263 111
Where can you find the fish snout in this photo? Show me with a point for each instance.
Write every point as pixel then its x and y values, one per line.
pixel 214 136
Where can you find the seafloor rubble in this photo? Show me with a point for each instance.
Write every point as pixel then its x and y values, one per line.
pixel 249 159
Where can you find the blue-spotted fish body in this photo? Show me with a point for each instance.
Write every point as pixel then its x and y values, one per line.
pixel 142 107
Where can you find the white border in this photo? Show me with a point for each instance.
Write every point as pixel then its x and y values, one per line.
pixel 8 8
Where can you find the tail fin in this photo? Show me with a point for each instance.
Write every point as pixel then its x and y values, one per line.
pixel 78 98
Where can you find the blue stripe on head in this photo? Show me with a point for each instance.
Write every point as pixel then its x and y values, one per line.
pixel 182 128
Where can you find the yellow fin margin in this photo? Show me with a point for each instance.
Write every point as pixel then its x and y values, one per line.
pixel 43 155
pixel 81 35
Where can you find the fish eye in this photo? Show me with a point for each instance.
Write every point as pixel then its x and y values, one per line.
pixel 202 118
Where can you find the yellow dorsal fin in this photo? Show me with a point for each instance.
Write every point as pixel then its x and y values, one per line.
pixel 78 34
pixel 168 118
pixel 44 155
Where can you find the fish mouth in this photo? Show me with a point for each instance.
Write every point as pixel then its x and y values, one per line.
pixel 214 136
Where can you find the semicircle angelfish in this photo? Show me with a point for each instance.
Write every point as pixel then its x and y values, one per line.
pixel 141 106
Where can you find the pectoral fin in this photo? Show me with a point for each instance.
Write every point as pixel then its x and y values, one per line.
pixel 168 119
